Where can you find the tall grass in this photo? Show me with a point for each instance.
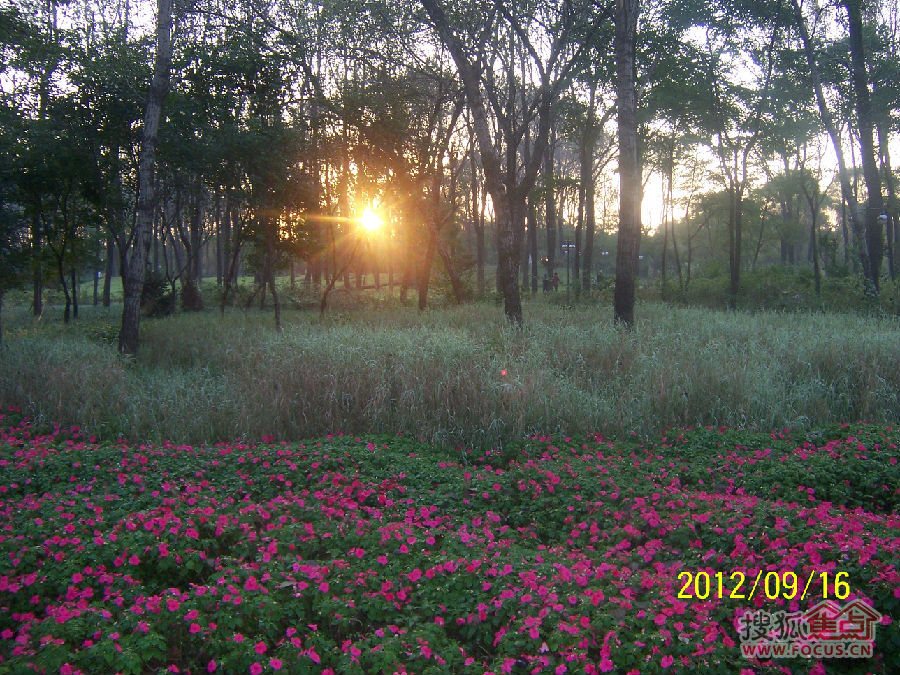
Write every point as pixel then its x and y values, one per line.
pixel 438 375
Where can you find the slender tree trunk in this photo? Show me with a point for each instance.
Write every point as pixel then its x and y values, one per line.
pixel 759 240
pixel 480 254
pixel 629 236
pixel 74 276
pixel 220 253
pixel 270 272
pixel 662 264
pixel 891 210
pixel 427 262
pixel 674 240
pixel 37 276
pixel 550 210
pixel 510 214
pixel 110 267
pixel 137 265
pixel 525 262
pixel 817 272
pixel 579 228
pixel 533 244
pixel 95 273
pixel 735 238
pixel 847 192
pixel 875 203
pixel 590 193
pixel 67 312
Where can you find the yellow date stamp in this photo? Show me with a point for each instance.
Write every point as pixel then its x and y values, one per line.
pixel 702 585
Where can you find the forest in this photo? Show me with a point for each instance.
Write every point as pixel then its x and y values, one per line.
pixel 445 337
pixel 245 140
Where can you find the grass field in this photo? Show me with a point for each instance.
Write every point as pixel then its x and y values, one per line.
pixel 452 376
pixel 368 555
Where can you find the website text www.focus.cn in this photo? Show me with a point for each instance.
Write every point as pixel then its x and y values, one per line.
pixel 813 650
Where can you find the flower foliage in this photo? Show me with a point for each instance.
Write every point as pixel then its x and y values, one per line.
pixel 384 555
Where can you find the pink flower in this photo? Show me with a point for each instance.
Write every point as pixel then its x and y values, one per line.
pixel 260 648
pixel 275 664
pixel 667 660
pixel 195 628
pixel 211 667
pixel 255 669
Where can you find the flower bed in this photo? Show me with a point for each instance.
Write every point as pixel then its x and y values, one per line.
pixel 349 555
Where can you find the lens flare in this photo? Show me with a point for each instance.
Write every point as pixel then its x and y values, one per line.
pixel 369 220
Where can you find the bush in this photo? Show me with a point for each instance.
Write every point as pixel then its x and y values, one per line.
pixel 158 297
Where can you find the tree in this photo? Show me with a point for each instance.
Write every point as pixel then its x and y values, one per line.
pixel 865 119
pixel 847 192
pixel 494 60
pixel 15 247
pixel 137 261
pixel 629 237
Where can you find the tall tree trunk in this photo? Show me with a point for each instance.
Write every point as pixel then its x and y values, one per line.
pixel 674 240
pixel 477 227
pixel 507 186
pixel 510 214
pixel 425 271
pixel 817 272
pixel 480 254
pixel 67 312
pixel 892 205
pixel 220 253
pixel 875 203
pixel 37 273
pixel 533 244
pixel 847 192
pixel 579 228
pixel 269 279
pixel 550 209
pixel 629 236
pixel 735 239
pixel 110 267
pixel 590 192
pixel 525 262
pixel 74 276
pixel 137 265
pixel 665 248
pixel 759 240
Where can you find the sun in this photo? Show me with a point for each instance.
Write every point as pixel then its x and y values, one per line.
pixel 369 220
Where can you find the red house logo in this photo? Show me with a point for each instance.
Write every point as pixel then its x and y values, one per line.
pixel 854 621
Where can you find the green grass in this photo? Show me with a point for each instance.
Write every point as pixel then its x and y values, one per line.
pixel 376 367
